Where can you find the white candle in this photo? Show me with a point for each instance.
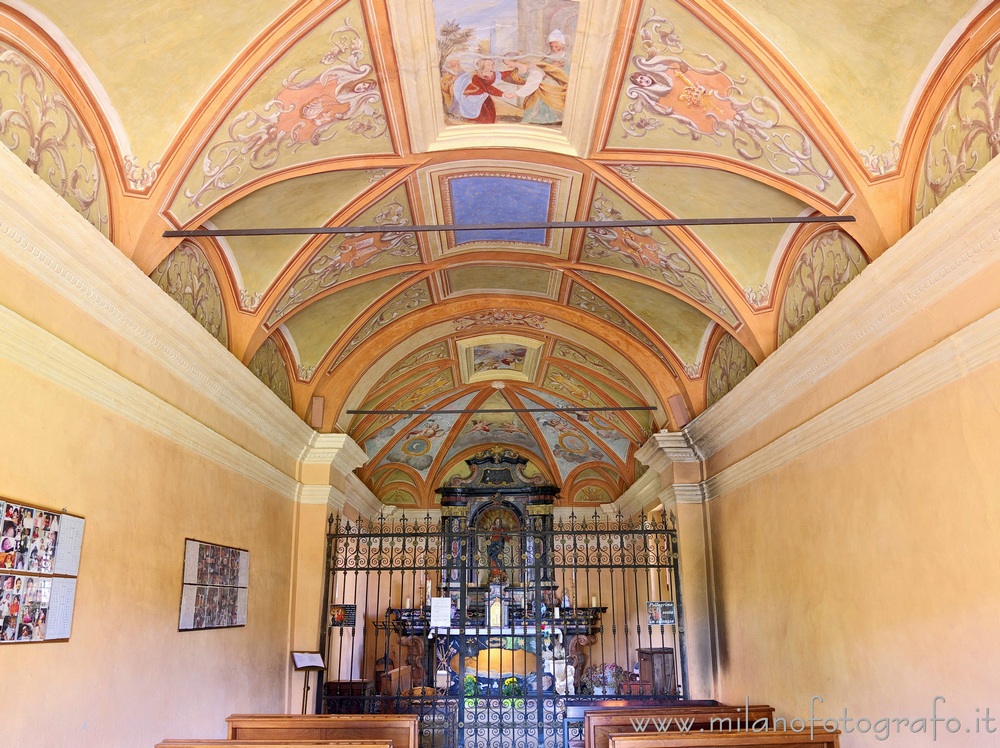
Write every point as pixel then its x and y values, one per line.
pixel 407 602
pixel 557 611
pixel 593 601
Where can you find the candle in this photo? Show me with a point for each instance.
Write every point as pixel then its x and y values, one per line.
pixel 557 611
pixel 593 601
pixel 408 602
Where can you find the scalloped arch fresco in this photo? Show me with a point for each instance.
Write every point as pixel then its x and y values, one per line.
pixel 823 268
pixel 188 278
pixel 269 366
pixel 730 365
pixel 964 137
pixel 38 124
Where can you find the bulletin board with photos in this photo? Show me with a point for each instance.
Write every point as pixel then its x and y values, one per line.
pixel 39 563
pixel 214 589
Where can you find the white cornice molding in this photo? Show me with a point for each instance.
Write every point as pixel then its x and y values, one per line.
pixel 46 238
pixel 359 496
pixel 42 354
pixel 339 451
pixel 684 493
pixel 665 447
pixel 957 241
pixel 328 496
pixel 640 495
pixel 950 360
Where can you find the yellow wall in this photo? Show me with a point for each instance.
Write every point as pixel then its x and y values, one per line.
pixel 127 677
pixel 867 572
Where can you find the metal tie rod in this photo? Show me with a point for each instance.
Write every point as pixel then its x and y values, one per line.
pixel 425 228
pixel 454 411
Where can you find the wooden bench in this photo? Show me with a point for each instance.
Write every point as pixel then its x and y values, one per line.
pixel 599 725
pixel 577 708
pixel 274 743
pixel 401 730
pixel 726 739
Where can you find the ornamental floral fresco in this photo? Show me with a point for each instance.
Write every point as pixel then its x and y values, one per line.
pixel 483 139
pixel 824 267
pixel 268 365
pixel 320 99
pixel 730 365
pixel 687 89
pixel 38 123
pixel 965 136
pixel 350 255
pixel 505 60
pixel 638 249
pixel 187 277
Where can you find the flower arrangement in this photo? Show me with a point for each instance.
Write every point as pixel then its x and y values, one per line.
pixel 511 688
pixel 608 676
pixel 470 686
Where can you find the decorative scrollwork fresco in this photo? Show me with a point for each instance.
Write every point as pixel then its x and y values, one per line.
pixel 823 268
pixel 435 352
pixel 335 94
pixel 412 298
pixel 38 124
pixel 585 358
pixel 966 136
pixel 269 367
pixel 187 277
pixel 731 363
pixel 692 95
pixel 499 318
pixel 347 255
pixel 588 301
pixel 637 248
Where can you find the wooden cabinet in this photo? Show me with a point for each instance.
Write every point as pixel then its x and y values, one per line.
pixel 656 666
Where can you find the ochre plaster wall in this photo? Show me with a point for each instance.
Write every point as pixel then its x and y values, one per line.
pixel 127 677
pixel 867 573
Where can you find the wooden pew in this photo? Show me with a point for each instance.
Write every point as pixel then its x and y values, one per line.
pixel 401 729
pixel 726 739
pixel 599 725
pixel 274 744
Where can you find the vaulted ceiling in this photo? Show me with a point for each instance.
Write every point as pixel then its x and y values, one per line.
pixel 570 345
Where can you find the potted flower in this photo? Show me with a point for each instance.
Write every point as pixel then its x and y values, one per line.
pixel 603 680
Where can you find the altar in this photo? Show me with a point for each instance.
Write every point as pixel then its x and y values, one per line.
pixel 513 629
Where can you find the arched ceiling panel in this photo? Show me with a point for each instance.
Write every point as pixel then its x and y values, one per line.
pixel 289 203
pixel 845 51
pixel 649 252
pixel 677 323
pixel 685 89
pixel 319 325
pixel 747 252
pixel 266 113
pixel 319 100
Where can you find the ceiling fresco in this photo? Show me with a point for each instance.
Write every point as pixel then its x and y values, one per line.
pixel 443 226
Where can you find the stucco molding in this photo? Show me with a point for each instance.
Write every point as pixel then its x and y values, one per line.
pixel 43 355
pixel 339 451
pixel 359 496
pixel 45 237
pixel 642 494
pixel 684 493
pixel 942 252
pixel 955 357
pixel 316 495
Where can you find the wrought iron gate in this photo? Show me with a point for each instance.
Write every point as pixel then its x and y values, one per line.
pixel 494 634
